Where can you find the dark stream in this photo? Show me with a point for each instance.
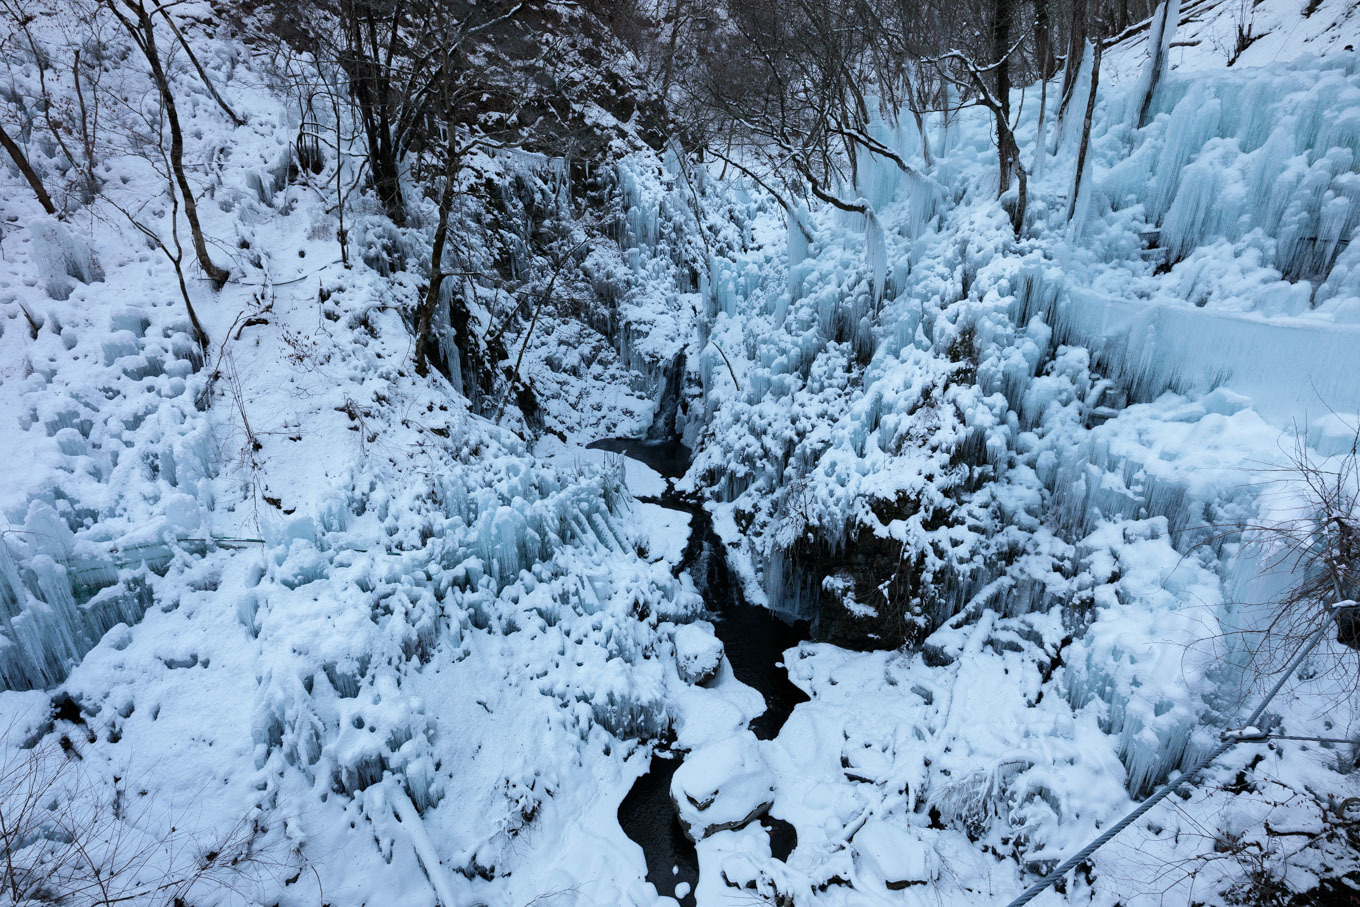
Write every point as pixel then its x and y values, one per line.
pixel 754 640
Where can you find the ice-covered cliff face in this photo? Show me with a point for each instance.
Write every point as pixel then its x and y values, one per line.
pixel 1209 252
pixel 891 457
pixel 1026 459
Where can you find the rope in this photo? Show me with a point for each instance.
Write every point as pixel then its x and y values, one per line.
pixel 1038 887
pixel 1073 861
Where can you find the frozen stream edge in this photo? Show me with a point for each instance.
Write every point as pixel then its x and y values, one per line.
pixel 754 641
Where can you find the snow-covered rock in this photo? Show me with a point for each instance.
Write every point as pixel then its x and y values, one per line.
pixel 722 786
pixel 896 855
pixel 698 653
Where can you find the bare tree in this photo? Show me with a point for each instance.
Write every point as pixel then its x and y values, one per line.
pixel 45 106
pixel 793 92
pixel 396 55
pixel 198 67
pixel 65 840
pixel 26 170
pixel 435 114
pixel 1318 544
pixel 174 253
pixel 371 37
pixel 959 69
pixel 455 150
pixel 139 24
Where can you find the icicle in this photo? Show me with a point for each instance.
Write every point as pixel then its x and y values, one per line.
pixel 945 141
pixel 798 251
pixel 447 337
pixel 1193 122
pixel 1041 130
pixel 62 257
pixel 875 254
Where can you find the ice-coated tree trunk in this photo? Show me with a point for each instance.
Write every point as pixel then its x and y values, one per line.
pixel 425 317
pixel 1001 37
pixel 1160 36
pixel 1086 126
pixel 1042 27
pixel 915 104
pixel 1076 42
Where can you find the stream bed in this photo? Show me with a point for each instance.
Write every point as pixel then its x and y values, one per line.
pixel 753 639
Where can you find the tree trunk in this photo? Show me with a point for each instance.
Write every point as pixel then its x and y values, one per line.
pixel 915 105
pixel 668 65
pixel 144 33
pixel 1001 37
pixel 1039 130
pixel 1076 44
pixel 1086 127
pixel 21 161
pixel 387 182
pixel 1043 25
pixel 425 315
pixel 1158 40
pixel 363 63
pixel 198 67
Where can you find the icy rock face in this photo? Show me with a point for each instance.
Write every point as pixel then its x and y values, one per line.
pixel 517 551
pixel 56 605
pixel 896 440
pixel 698 652
pixel 650 286
pixel 645 269
pixel 722 786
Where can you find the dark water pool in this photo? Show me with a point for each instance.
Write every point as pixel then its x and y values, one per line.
pixel 649 818
pixel 670 458
pixel 754 640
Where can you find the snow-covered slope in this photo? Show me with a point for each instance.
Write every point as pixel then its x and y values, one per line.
pixel 294 597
